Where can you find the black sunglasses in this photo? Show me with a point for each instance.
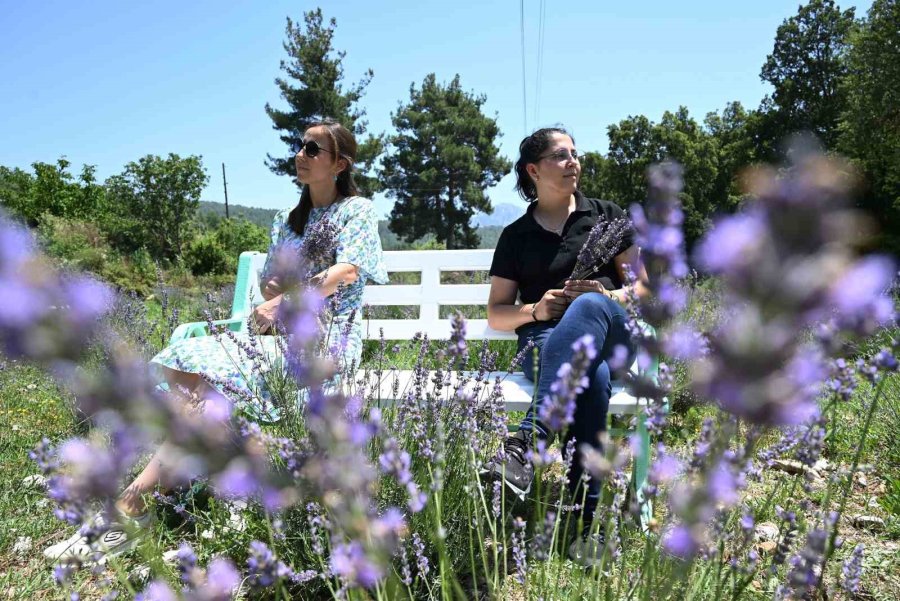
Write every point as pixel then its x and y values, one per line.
pixel 312 148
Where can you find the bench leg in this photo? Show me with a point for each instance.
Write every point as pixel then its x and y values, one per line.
pixel 641 469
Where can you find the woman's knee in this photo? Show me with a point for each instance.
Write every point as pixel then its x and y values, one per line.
pixel 590 303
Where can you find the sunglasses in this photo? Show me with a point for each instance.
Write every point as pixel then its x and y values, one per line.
pixel 312 149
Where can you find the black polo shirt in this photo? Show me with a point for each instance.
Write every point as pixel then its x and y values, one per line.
pixel 540 260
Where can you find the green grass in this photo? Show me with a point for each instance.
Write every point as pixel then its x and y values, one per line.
pixel 32 406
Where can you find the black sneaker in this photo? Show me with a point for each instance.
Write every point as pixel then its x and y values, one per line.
pixel 516 471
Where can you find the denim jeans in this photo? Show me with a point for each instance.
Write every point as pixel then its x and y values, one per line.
pixel 603 318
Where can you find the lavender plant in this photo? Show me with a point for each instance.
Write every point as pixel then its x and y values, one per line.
pixel 352 496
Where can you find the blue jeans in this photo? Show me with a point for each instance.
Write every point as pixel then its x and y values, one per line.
pixel 605 319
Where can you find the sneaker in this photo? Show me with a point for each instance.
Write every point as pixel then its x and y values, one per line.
pixel 587 549
pixel 516 471
pixel 120 536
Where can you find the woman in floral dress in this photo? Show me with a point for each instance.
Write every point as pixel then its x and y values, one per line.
pixel 197 365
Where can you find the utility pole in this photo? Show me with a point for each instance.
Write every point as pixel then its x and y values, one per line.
pixel 225 184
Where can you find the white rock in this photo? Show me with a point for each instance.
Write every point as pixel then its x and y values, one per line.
pixel 35 481
pixel 22 545
pixel 822 465
pixel 789 466
pixel 170 557
pixel 140 574
pixel 766 531
pixel 868 522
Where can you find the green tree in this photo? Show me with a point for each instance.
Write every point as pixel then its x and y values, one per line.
pixel 15 193
pixel 736 150
pixel 595 171
pixel 52 190
pixel 870 130
pixel 632 150
pixel 805 69
pixel 313 91
pixel 444 155
pixel 154 202
pixel 636 142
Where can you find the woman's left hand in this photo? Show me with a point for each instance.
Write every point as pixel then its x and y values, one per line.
pixel 264 315
pixel 575 288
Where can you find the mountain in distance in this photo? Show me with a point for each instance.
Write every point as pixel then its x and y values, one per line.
pixel 210 212
pixel 261 217
pixel 504 214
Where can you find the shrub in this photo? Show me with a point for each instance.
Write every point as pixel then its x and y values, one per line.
pixel 206 255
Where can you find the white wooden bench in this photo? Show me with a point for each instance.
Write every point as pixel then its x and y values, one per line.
pixel 430 294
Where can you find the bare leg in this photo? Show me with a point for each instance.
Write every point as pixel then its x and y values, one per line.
pixel 154 474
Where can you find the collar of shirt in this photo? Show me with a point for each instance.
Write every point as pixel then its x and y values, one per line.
pixel 582 205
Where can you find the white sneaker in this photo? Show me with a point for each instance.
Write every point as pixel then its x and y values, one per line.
pixel 121 536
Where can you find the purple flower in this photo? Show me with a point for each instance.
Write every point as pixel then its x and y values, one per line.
pixel 724 485
pixel 558 408
pixel 222 580
pixel 237 480
pixel 518 549
pixel 851 570
pixel 681 541
pixel 157 591
pixel 421 559
pixel 733 245
pixel 604 242
pixel 16 246
pixel 263 568
pixel 350 563
pixel 87 299
pixel 665 469
pixel 860 298
pixel 187 563
pixel 685 343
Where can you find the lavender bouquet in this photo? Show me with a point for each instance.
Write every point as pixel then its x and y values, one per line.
pixel 600 247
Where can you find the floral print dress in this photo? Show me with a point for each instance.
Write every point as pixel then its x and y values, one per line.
pixel 224 360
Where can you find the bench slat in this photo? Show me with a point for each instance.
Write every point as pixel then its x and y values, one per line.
pixel 516 389
pixel 416 294
pixel 439 329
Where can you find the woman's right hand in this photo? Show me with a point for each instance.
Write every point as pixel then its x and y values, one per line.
pixel 272 289
pixel 552 305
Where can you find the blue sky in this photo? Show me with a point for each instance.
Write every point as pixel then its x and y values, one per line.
pixel 106 82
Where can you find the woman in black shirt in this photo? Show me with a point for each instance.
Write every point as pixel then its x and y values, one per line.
pixel 534 259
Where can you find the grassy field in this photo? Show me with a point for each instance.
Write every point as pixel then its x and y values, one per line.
pixel 32 406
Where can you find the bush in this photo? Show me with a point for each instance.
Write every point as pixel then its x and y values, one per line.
pixel 206 255
pixel 79 242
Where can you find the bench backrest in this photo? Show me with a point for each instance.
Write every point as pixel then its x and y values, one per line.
pixel 429 294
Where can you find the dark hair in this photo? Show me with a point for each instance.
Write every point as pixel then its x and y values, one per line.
pixel 530 151
pixel 344 145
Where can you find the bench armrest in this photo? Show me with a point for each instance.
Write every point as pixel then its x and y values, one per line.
pixel 199 328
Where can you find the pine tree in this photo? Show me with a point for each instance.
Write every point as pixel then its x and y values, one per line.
pixel 444 156
pixel 314 91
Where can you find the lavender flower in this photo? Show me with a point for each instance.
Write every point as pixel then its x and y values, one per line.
pixel 604 242
pixel 558 409
pixel 187 564
pixel 518 549
pixel 421 559
pixel 263 568
pixel 851 570
pixel 350 563
pixel 156 591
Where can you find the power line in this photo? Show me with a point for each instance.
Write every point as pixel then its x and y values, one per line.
pixel 524 74
pixel 540 60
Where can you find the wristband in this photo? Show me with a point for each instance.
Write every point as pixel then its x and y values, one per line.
pixel 533 309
